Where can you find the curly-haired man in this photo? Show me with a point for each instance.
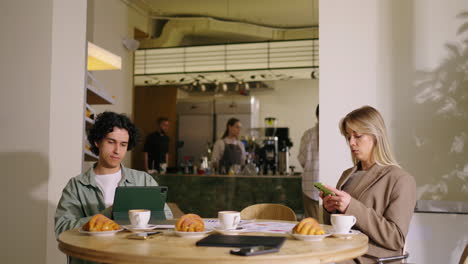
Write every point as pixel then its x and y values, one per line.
pixel 93 191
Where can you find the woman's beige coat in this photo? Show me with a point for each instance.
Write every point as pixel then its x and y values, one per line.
pixel 383 203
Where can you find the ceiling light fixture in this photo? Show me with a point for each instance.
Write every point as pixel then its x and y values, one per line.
pixel 131 44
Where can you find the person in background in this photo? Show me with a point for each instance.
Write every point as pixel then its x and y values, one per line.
pixel 92 192
pixel 229 150
pixel 377 191
pixel 309 160
pixel 156 147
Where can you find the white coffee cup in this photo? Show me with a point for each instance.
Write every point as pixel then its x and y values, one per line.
pixel 139 217
pixel 342 223
pixel 228 219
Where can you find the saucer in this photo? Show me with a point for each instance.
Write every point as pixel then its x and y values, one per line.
pixel 228 231
pixel 192 234
pixel 347 235
pixel 100 233
pixel 132 227
pixel 309 237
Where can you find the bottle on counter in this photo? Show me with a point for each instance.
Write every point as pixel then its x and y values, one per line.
pixel 250 168
pixel 188 165
pixel 231 171
pixel 203 165
pixel 189 169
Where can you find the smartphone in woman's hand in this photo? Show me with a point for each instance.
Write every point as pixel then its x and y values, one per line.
pixel 325 190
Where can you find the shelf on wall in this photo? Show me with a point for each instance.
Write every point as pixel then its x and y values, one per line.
pixel 96 96
pixel 101 59
pixel 89 156
pixel 98 59
pixel 89 122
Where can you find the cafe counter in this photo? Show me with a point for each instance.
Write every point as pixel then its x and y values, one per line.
pixel 207 194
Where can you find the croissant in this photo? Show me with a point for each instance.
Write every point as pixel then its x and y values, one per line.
pixel 308 226
pixel 190 223
pixel 100 222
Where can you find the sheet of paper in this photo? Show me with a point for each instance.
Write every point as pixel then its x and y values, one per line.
pixel 267 227
pixel 252 226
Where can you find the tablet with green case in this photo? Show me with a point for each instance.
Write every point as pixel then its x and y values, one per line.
pixel 151 198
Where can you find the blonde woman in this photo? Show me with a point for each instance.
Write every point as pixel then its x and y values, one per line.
pixel 379 193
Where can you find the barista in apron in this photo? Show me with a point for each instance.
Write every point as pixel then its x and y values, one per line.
pixel 229 151
pixel 232 156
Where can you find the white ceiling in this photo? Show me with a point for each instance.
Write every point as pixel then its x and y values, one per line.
pixel 274 13
pixel 284 14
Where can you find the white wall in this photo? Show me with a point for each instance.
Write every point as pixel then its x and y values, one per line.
pixel 377 53
pixel 437 238
pixel 394 55
pixel 436 87
pixel 41 106
pixel 24 144
pixel 348 75
pixel 66 106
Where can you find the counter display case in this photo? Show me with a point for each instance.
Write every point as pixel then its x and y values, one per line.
pixel 207 194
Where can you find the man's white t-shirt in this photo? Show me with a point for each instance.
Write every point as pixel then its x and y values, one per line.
pixel 108 184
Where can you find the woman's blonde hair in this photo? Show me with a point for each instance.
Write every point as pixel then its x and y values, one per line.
pixel 367 120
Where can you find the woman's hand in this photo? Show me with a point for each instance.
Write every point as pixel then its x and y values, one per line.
pixel 339 202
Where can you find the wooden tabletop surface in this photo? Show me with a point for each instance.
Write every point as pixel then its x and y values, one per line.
pixel 171 249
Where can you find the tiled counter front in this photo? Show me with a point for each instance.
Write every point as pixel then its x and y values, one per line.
pixel 206 195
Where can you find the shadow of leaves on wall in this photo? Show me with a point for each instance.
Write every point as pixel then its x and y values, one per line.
pixel 442 99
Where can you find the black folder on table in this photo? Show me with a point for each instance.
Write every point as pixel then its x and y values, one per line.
pixel 152 198
pixel 216 240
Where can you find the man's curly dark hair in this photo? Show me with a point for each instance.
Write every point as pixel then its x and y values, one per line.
pixel 105 123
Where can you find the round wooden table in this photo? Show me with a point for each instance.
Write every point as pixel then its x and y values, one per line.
pixel 171 249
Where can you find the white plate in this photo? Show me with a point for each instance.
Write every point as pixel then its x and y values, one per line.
pixel 192 234
pixel 100 233
pixel 348 235
pixel 147 227
pixel 309 237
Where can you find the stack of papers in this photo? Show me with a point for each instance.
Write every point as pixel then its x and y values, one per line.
pixel 252 226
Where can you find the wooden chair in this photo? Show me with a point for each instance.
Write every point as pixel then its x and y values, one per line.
pixel 464 256
pixel 268 211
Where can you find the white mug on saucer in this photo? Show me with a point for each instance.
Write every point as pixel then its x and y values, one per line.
pixel 342 223
pixel 228 219
pixel 139 217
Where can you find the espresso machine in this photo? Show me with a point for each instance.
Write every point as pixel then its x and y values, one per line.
pixel 274 151
pixel 268 156
pixel 283 146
